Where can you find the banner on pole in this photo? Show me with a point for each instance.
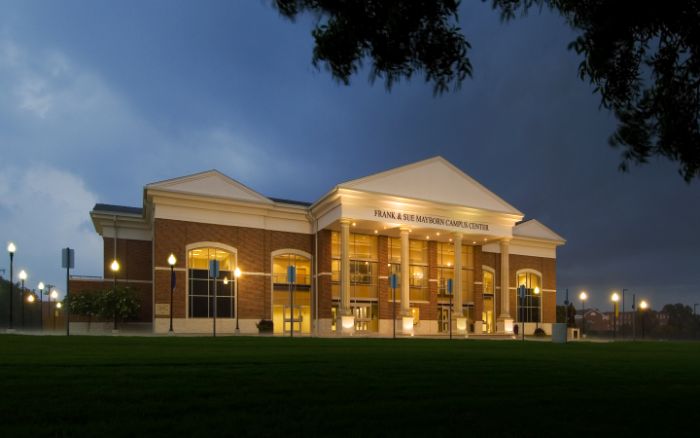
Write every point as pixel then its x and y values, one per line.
pixel 213 269
pixel 393 280
pixel 67 258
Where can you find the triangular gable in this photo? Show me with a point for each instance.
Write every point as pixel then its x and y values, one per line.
pixel 535 229
pixel 210 183
pixel 434 179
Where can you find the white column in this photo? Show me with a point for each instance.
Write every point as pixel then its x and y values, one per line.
pixel 505 322
pixel 345 323
pixel 405 278
pixel 457 277
pixel 406 316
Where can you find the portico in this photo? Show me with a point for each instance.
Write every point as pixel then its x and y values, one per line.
pixel 410 207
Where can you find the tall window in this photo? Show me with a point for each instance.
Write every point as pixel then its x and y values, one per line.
pixel 201 287
pixel 364 269
pixel 467 274
pixel 488 315
pixel 446 263
pixel 282 291
pixel 530 306
pixel 364 278
pixel 418 270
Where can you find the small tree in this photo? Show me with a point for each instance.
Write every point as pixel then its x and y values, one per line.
pixel 85 304
pixel 119 303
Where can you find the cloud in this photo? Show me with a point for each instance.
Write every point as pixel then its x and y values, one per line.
pixel 45 209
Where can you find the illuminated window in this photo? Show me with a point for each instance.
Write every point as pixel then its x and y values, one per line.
pixel 364 276
pixel 529 307
pixel 445 262
pixel 364 269
pixel 201 287
pixel 283 293
pixel 489 305
pixel 489 287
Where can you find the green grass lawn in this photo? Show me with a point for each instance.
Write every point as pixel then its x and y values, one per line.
pixel 127 386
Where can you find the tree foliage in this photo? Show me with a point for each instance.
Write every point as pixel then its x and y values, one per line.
pixel 120 303
pixel 643 58
pixel 401 38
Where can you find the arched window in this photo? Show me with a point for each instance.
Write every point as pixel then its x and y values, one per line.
pixel 529 305
pixel 283 291
pixel 201 287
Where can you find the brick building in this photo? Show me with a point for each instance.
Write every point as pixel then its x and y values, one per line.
pixel 427 223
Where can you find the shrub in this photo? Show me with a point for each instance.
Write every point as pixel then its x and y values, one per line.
pixel 119 303
pixel 540 332
pixel 265 326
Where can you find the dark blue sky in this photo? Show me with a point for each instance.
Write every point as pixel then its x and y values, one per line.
pixel 99 98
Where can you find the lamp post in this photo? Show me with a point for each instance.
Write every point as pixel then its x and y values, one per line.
pixel 22 278
pixel 615 298
pixel 53 295
pixel 30 298
pixel 11 248
pixel 236 276
pixel 114 267
pixel 41 300
pixel 539 307
pixel 643 305
pixel 171 261
pixel 622 325
pixel 583 296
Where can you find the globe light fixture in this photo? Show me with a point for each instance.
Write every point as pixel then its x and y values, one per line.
pixel 615 298
pixel 11 248
pixel 583 296
pixel 236 276
pixel 30 298
pixel 22 277
pixel 172 260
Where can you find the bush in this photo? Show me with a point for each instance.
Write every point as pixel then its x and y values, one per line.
pixel 118 303
pixel 539 332
pixel 265 326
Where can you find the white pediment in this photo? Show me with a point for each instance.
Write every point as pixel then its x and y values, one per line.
pixel 436 180
pixel 210 183
pixel 534 229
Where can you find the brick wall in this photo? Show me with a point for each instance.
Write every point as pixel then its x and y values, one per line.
pixel 254 247
pixel 134 256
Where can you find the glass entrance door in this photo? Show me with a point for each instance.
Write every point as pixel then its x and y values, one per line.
pixel 443 319
pixel 487 315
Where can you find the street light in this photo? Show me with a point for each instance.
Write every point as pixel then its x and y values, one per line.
pixel 171 261
pixel 22 277
pixel 622 325
pixel 115 268
pixel 54 295
pixel 537 321
pixel 11 248
pixel 643 305
pixel 41 288
pixel 583 296
pixel 236 276
pixel 615 298
pixel 31 299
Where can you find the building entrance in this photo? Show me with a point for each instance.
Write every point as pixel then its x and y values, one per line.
pixel 487 315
